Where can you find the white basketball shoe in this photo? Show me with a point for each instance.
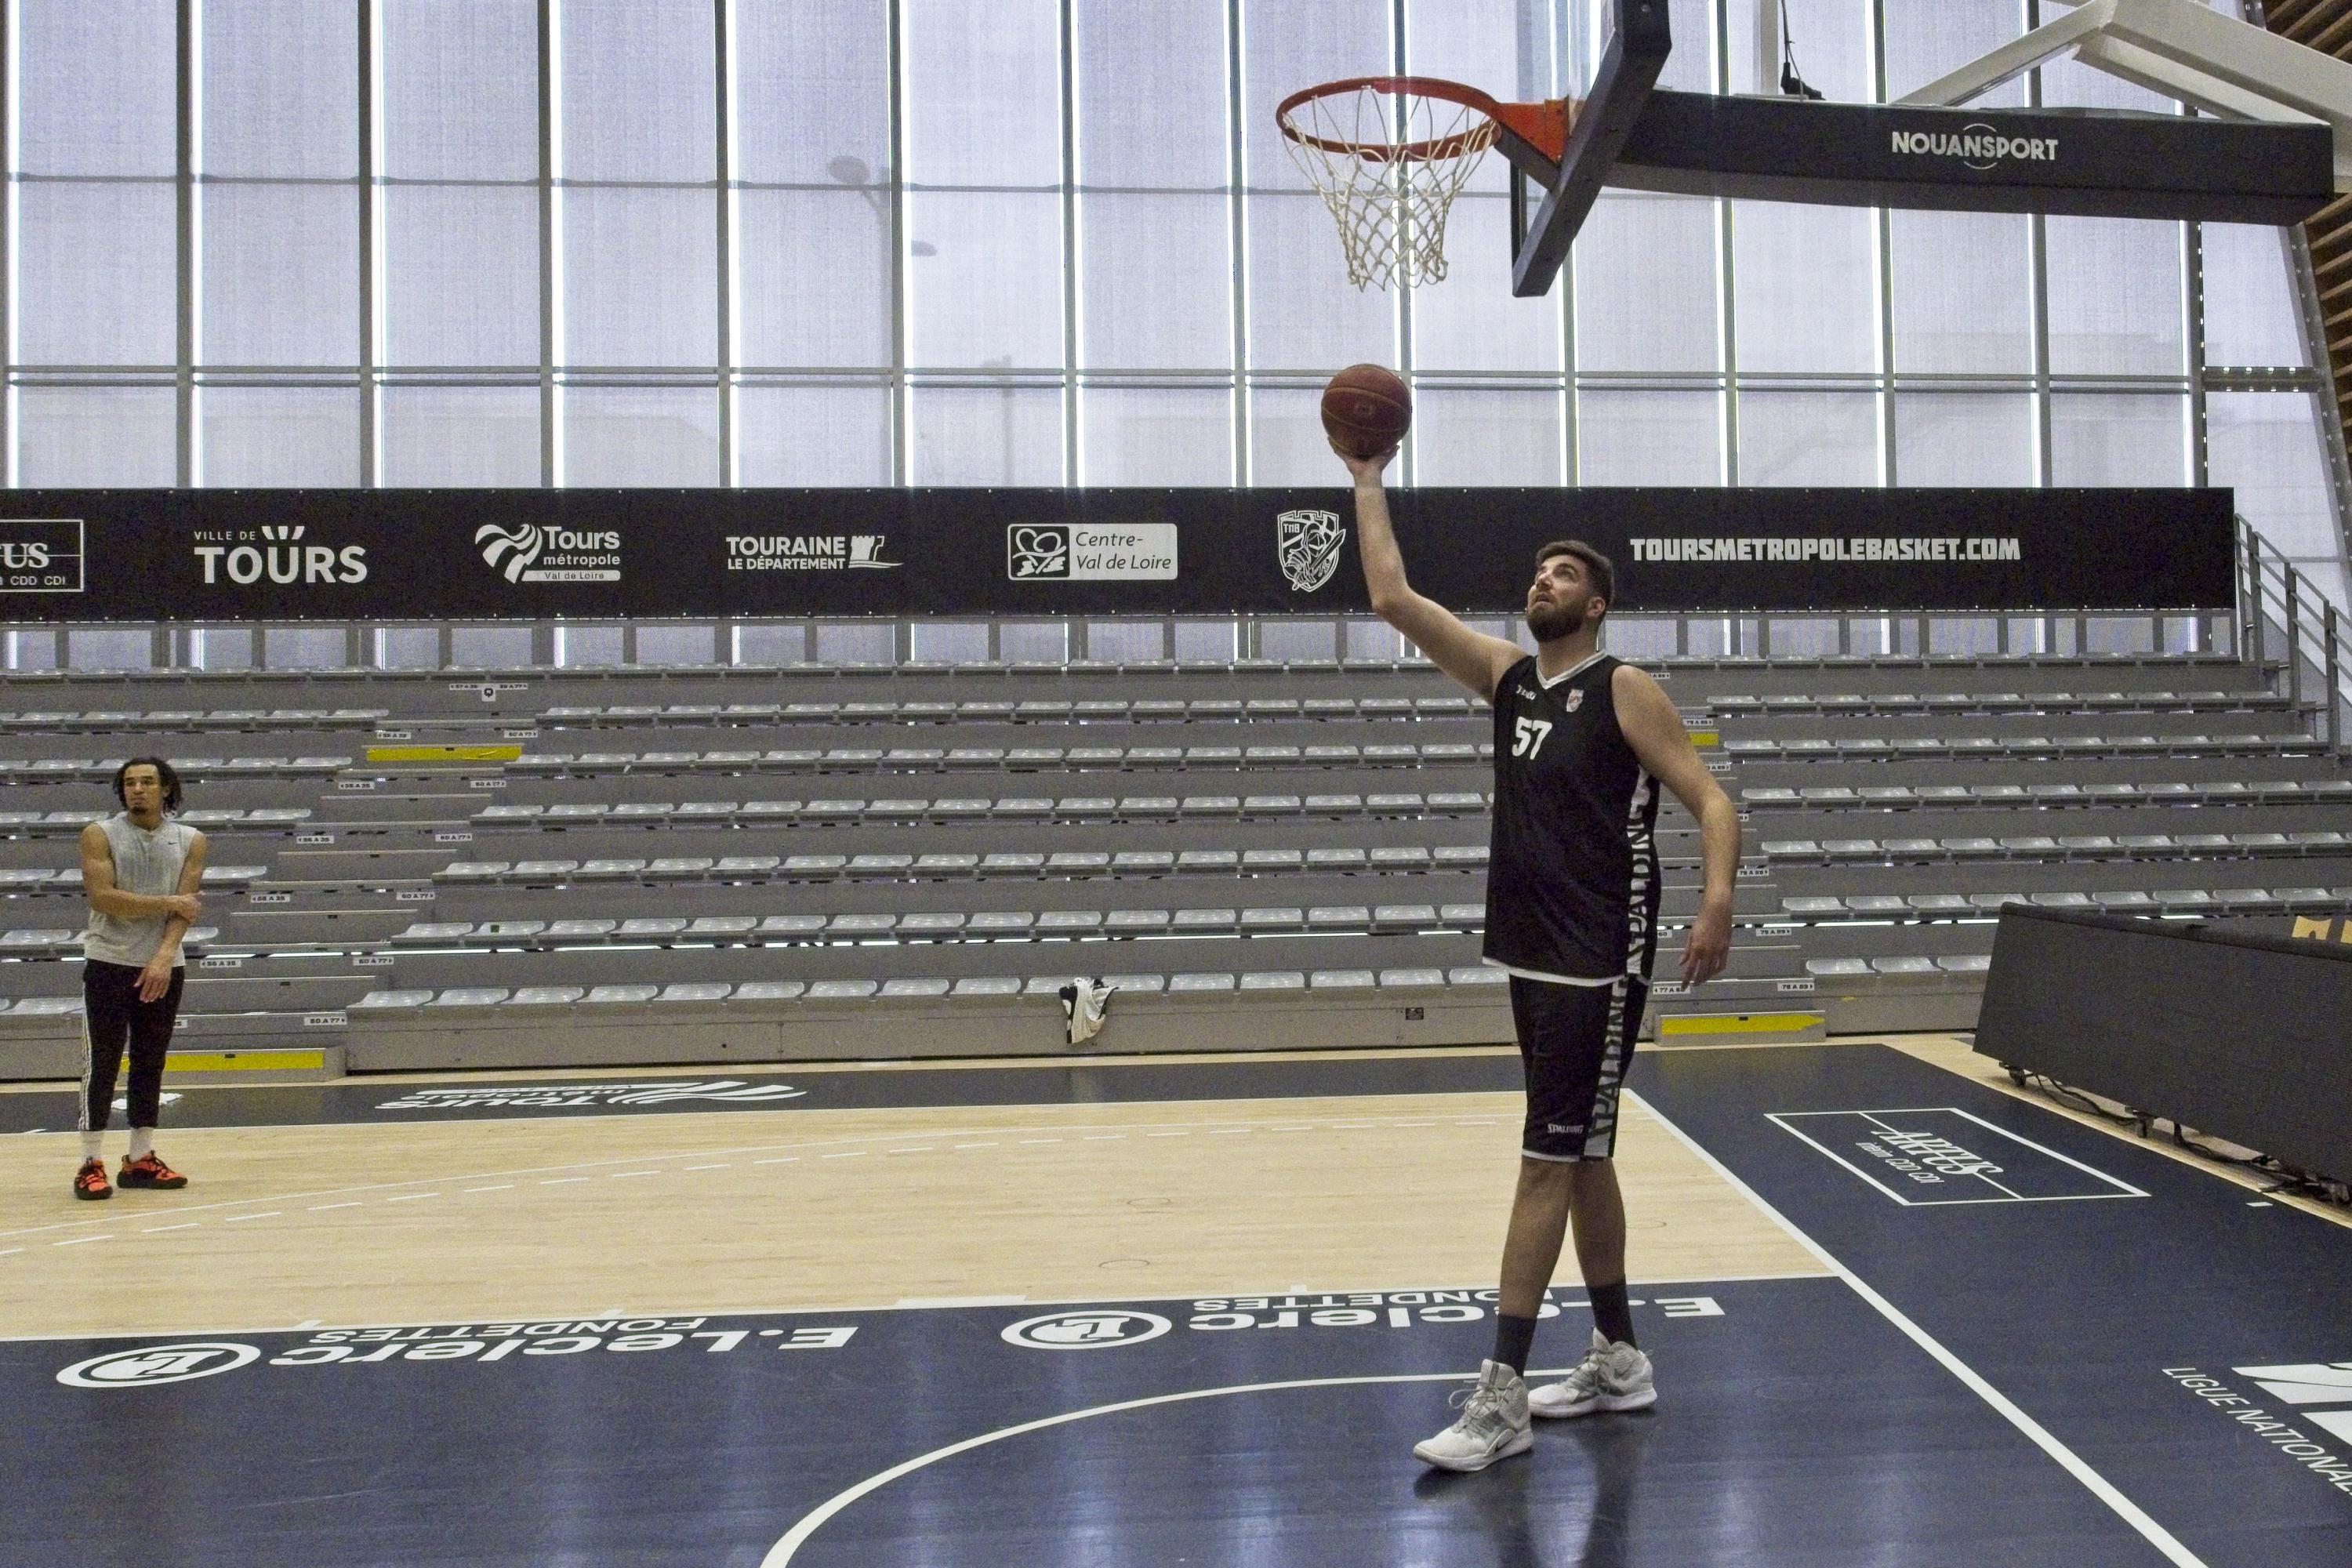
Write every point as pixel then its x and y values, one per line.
pixel 1613 1376
pixel 1494 1424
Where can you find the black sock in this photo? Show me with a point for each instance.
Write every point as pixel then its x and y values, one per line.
pixel 1611 1315
pixel 1513 1339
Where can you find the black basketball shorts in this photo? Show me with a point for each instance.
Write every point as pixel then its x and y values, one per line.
pixel 1574 1042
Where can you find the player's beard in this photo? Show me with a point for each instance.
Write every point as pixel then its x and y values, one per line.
pixel 1550 622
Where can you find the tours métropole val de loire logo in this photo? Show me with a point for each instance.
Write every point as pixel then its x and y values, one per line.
pixel 528 553
pixel 280 553
pixel 2303 1411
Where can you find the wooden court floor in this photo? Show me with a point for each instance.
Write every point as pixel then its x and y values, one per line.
pixel 807 1208
pixel 1009 1291
pixel 798 1208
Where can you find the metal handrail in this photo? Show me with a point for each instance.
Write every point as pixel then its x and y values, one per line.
pixel 2282 618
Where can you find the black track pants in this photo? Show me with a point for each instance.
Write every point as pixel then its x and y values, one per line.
pixel 112 1015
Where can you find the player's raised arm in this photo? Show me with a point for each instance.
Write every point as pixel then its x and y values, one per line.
pixel 1472 657
pixel 1646 714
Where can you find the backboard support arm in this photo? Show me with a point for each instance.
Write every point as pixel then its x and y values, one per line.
pixel 1637 50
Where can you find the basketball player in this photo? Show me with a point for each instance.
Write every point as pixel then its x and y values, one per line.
pixel 141 871
pixel 1581 744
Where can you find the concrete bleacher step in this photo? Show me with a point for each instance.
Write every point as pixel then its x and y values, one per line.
pixel 86 767
pixel 1969 703
pixel 2146 742
pixel 1958 848
pixel 668 810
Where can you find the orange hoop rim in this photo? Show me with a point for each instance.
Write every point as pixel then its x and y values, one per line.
pixel 1543 125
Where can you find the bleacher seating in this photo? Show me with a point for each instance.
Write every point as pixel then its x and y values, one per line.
pixel 525 867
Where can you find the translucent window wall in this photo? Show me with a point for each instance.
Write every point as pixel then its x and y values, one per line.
pixel 1042 242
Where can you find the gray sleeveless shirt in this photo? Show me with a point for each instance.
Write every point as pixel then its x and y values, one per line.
pixel 146 863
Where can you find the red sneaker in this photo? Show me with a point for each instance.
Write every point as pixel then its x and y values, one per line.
pixel 90 1182
pixel 149 1171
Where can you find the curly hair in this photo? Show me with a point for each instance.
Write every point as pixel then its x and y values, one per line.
pixel 163 772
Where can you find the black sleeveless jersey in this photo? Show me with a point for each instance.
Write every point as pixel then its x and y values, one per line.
pixel 1572 876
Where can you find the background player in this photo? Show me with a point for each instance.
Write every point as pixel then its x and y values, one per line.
pixel 141 871
pixel 1581 742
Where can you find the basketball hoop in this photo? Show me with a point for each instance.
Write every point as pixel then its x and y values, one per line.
pixel 1388 154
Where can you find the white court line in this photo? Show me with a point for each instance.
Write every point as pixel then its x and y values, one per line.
pixel 495 1187
pixel 2099 1487
pixel 624 1175
pixel 83 1240
pixel 780 1554
pixel 1786 1120
pixel 322 1208
pixel 413 1198
pixel 241 1218
pixel 183 1225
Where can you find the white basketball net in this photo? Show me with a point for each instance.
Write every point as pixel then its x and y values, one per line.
pixel 1388 165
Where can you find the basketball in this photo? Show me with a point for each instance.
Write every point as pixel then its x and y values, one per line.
pixel 1366 409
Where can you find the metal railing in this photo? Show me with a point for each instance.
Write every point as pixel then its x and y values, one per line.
pixel 655 645
pixel 2284 619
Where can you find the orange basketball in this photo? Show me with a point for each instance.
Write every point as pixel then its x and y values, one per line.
pixel 1367 409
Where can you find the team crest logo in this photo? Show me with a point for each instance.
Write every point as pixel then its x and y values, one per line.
pixel 1307 545
pixel 1575 700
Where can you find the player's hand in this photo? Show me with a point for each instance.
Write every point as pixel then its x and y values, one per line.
pixel 154 979
pixel 1367 470
pixel 1709 946
pixel 186 906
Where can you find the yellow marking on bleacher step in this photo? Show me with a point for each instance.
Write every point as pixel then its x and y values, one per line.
pixel 443 753
pixel 1738 1023
pixel 1706 737
pixel 246 1061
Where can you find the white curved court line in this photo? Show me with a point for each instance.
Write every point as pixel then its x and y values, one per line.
pixel 780 1553
pixel 2130 1512
pixel 2106 1491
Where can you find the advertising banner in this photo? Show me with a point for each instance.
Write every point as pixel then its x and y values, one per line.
pixel 284 555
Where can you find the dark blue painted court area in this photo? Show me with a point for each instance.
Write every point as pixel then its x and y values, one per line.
pixel 2188 1352
pixel 2096 1312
